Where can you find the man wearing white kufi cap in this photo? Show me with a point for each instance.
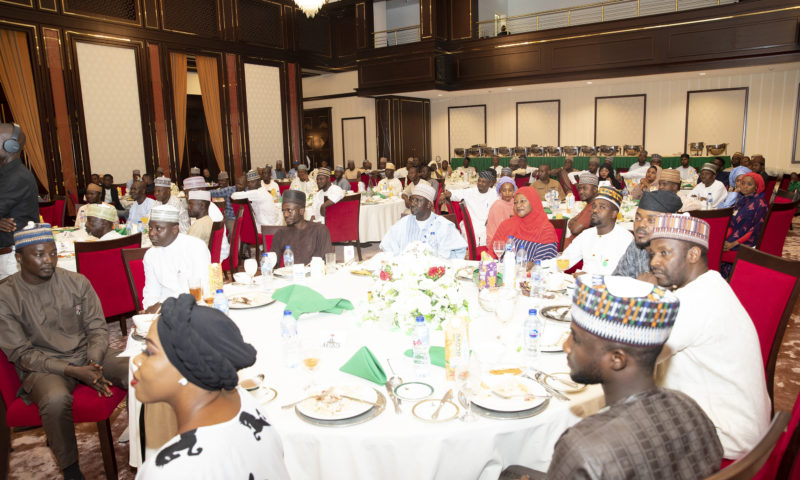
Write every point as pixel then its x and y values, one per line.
pixel 390 186
pixel 193 184
pixel 174 260
pixel 478 199
pixel 163 194
pixel 100 220
pixel 264 207
pixel 425 226
pixel 199 201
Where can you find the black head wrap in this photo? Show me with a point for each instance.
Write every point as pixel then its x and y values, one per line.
pixel 294 196
pixel 662 201
pixel 203 343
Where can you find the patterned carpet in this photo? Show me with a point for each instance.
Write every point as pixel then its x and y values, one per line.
pixel 31 458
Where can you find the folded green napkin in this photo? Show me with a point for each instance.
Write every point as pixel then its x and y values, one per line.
pixel 436 354
pixel 300 299
pixel 364 364
pixel 547 211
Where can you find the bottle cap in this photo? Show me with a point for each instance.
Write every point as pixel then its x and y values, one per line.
pixel 537 262
pixel 532 311
pixel 219 290
pixel 287 247
pixel 287 312
pixel 420 319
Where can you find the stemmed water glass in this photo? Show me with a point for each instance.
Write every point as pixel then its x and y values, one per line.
pixel 311 355
pixel 499 247
pixel 468 381
pixel 250 268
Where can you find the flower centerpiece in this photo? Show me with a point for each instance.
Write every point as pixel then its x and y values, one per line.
pixel 415 283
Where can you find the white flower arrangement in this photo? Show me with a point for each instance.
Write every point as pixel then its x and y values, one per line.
pixel 415 283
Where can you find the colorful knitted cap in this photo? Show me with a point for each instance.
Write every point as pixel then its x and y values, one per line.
pixel 32 234
pixel 682 227
pixel 624 310
pixel 253 175
pixel 610 194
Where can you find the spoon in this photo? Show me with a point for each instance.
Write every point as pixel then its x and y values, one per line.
pixel 393 382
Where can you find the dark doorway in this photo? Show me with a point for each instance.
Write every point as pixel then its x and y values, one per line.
pixel 317 138
pixel 198 151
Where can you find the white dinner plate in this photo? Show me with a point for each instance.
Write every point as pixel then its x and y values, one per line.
pixel 329 405
pixel 251 299
pixel 563 382
pixel 526 393
pixel 553 340
pixel 287 272
pixel 413 391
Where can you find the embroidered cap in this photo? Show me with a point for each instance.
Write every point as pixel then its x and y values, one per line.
pixel 425 190
pixel 194 182
pixel 324 172
pixel 610 194
pixel 682 227
pixel 194 171
pixel 253 175
pixel 137 172
pixel 506 172
pixel 162 182
pixel 389 166
pixel 222 176
pixel 339 168
pixel 710 167
pixel 670 175
pixel 588 178
pixel 200 195
pixel 164 213
pixel 93 187
pixel 624 310
pixel 102 210
pixel 32 234
pixel 302 167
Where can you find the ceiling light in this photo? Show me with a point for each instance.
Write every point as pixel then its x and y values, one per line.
pixel 588 83
pixel 509 89
pixel 702 74
pixel 439 95
pixel 310 7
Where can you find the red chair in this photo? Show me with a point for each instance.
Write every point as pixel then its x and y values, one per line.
pixel 342 219
pixel 783 196
pixel 719 221
pixel 54 212
pixel 267 233
pixel 473 250
pixel 365 179
pixel 249 226
pixel 436 206
pixel 785 180
pixel 769 188
pixel 150 195
pixel 215 241
pixel 768 287
pixel 575 191
pixel 102 264
pixel 354 186
pixel 123 188
pixel 522 181
pixel 784 455
pixel 455 209
pixel 86 407
pixel 750 465
pixel 133 259
pixel 231 264
pixel 282 187
pixel 561 231
pixel 773 234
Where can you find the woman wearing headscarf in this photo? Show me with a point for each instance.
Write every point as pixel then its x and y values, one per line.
pixel 734 180
pixel 191 360
pixel 748 219
pixel 503 208
pixel 606 174
pixel 529 227
pixel 648 184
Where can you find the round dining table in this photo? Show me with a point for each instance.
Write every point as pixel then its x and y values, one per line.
pixel 394 445
pixel 377 217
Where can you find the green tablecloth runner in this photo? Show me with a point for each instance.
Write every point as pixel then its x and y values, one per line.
pixel 582 163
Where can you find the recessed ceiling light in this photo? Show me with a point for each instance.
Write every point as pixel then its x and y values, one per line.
pixel 588 83
pixel 702 74
pixel 439 95
pixel 509 89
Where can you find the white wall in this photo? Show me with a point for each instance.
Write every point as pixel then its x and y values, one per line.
pixel 330 84
pixel 400 13
pixel 264 114
pixel 350 107
pixel 770 117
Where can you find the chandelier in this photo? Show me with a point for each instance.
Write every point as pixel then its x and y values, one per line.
pixel 310 7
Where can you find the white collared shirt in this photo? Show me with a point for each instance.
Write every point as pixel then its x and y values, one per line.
pixel 600 253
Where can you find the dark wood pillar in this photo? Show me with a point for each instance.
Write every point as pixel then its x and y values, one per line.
pixel 232 75
pixel 157 85
pixel 294 116
pixel 404 128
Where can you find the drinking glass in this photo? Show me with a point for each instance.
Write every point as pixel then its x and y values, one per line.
pixel 562 263
pixel 250 268
pixel 498 247
pixel 330 263
pixel 311 355
pixel 468 380
pixel 196 288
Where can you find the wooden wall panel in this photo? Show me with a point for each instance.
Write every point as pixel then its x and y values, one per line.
pixel 403 126
pixel 509 63
pixel 261 23
pixel 736 38
pixel 463 16
pixel 405 70
pixel 157 84
pixel 199 17
pixel 598 53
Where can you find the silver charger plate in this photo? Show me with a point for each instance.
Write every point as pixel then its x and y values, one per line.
pixel 242 306
pixel 485 412
pixel 559 313
pixel 346 422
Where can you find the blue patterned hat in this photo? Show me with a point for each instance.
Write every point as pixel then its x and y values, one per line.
pixel 624 310
pixel 32 234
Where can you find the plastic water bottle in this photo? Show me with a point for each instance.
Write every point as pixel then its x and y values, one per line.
pixel 266 271
pixel 570 201
pixel 430 240
pixel 522 262
pixel 288 257
pixel 290 340
pixel 532 332
pixel 555 200
pixel 537 287
pixel 509 265
pixel 709 202
pixel 421 344
pixel 221 301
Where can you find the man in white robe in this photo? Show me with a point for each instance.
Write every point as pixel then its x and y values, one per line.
pixel 422 225
pixel 215 214
pixel 163 194
pixel 478 199
pixel 100 220
pixel 304 184
pixel 327 195
pixel 708 184
pixel 713 353
pixel 268 184
pixel 688 172
pixel 175 260
pixel 390 186
pixel 264 207
pixel 603 245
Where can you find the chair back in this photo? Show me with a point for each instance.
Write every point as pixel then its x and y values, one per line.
pixel 249 229
pixel 9 382
pixel 749 465
pixel 783 196
pixel 133 260
pixel 102 264
pixel 561 231
pixel 231 263
pixel 455 209
pixel 354 186
pixel 719 221
pixel 365 179
pixel 767 286
pixel 522 181
pixel 769 188
pixel 473 250
pixel 54 211
pixel 283 186
pixel 215 240
pixel 785 180
pixel 436 206
pixel 267 233
pixel 776 227
pixel 342 219
pixel 784 455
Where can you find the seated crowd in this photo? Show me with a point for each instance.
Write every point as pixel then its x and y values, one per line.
pixel 681 373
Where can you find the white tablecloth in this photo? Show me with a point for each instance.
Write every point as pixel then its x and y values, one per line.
pixel 376 219
pixel 65 242
pixel 393 446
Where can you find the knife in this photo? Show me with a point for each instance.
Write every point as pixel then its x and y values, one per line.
pixel 355 399
pixel 395 401
pixel 441 404
pixel 552 391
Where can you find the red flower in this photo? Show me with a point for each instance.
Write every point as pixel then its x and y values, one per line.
pixel 435 273
pixel 385 276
